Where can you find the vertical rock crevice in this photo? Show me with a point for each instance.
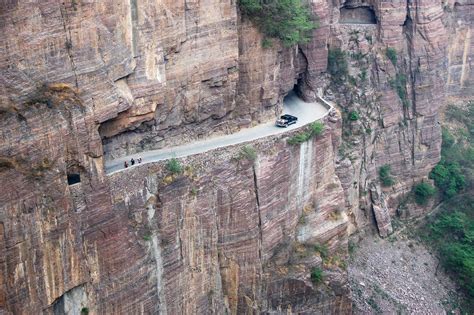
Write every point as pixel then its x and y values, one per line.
pixel 157 254
pixel 68 44
pixel 260 229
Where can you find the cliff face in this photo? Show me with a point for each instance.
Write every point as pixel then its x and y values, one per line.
pixel 222 237
pixel 396 83
pixel 150 74
pixel 226 235
pixel 460 75
pixel 84 81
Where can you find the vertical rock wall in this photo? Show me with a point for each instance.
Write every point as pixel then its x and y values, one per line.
pixel 80 78
pixel 396 102
pixel 214 232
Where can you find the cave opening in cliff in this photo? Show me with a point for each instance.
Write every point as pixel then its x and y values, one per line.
pixel 73 178
pixel 357 15
pixel 291 94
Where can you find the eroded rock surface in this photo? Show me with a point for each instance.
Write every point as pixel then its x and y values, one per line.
pixel 84 81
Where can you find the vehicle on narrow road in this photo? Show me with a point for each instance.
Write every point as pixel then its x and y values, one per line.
pixel 292 105
pixel 286 120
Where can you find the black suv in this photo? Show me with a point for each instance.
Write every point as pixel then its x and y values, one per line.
pixel 286 120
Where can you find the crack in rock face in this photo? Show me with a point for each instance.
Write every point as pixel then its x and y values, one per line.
pixel 84 82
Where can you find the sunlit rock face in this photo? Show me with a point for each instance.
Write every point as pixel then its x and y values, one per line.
pixel 85 81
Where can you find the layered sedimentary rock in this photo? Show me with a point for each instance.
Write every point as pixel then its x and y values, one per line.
pixel 85 81
pixel 459 19
pixel 397 101
pixel 220 237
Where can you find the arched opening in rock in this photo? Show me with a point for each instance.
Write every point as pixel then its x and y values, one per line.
pixel 295 92
pixel 357 15
pixel 73 178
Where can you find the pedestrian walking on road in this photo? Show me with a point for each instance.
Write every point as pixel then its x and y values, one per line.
pixel 132 161
pixel 139 160
pixel 125 164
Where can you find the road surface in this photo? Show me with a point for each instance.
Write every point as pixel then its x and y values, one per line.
pixel 306 113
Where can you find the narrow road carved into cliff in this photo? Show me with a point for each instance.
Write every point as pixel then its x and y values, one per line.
pixel 306 113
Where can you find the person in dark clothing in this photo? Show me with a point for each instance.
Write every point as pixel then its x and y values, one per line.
pixel 125 164
pixel 132 161
pixel 139 160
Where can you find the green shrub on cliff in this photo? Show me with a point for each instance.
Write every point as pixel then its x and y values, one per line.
pixel 314 129
pixel 400 85
pixel 317 128
pixel 288 20
pixel 385 177
pixel 322 250
pixel 423 191
pixel 173 166
pixel 455 172
pixel 391 54
pixel 248 152
pixel 451 232
pixel 299 138
pixel 447 138
pixel 316 275
pixel 353 116
pixel 448 177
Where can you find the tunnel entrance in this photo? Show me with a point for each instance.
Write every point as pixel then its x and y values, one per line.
pixel 357 15
pixel 293 94
pixel 293 91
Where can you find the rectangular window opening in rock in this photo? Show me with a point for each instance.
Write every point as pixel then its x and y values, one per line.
pixel 73 178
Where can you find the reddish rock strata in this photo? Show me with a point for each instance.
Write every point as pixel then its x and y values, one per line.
pixel 83 78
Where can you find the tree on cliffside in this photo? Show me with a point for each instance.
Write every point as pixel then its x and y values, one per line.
pixel 451 230
pixel 288 20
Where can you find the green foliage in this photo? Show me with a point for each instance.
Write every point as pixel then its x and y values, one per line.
pixel 400 85
pixel 447 138
pixel 337 65
pixel 147 237
pixel 317 128
pixel 353 115
pixel 250 7
pixel 267 43
pixel 316 275
pixel 299 138
pixel 85 311
pixel 248 152
pixel 463 115
pixel 385 177
pixel 448 178
pixel 455 171
pixel 391 54
pixel 423 191
pixel 358 56
pixel 351 247
pixel 374 305
pixel 451 232
pixel 322 250
pixel 174 166
pixel 288 20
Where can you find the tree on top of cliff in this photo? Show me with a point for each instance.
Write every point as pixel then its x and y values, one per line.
pixel 289 20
